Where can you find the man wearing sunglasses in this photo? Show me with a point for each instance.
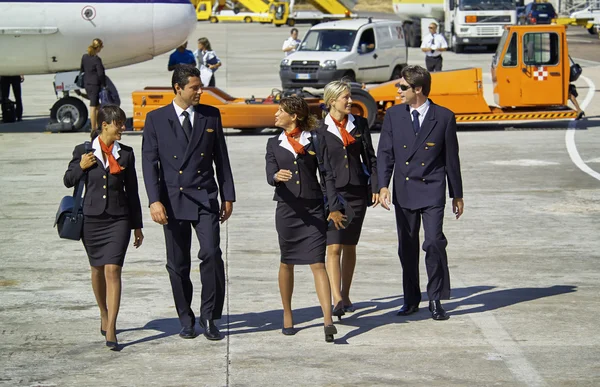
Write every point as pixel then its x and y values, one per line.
pixel 418 144
pixel 433 45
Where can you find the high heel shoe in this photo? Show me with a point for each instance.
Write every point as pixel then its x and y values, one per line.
pixel 113 345
pixel 289 331
pixel 349 308
pixel 580 115
pixel 338 310
pixel 330 330
pixel 102 331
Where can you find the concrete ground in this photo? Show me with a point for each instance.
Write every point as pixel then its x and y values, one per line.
pixel 524 262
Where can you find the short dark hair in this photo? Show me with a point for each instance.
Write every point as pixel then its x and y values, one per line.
pixel 298 106
pixel 182 74
pixel 417 76
pixel 293 30
pixel 110 114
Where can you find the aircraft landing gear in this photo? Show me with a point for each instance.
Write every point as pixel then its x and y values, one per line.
pixel 69 111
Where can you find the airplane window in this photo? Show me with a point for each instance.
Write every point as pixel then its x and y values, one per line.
pixel 510 58
pixel 540 49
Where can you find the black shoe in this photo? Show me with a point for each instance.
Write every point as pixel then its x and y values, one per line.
pixel 102 331
pixel 211 331
pixel 187 333
pixel 349 308
pixel 338 310
pixel 330 330
pixel 407 309
pixel 113 345
pixel 580 115
pixel 289 331
pixel 437 312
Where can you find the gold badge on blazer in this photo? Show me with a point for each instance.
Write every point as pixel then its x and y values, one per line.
pixel 431 144
pixel 311 153
pixel 210 130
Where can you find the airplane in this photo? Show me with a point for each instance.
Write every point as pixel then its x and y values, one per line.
pixel 49 37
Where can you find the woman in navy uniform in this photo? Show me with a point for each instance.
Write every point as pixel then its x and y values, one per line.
pixel 292 168
pixel 94 78
pixel 348 139
pixel 111 209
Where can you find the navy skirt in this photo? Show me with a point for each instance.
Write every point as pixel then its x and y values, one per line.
pixel 302 229
pixel 356 197
pixel 106 238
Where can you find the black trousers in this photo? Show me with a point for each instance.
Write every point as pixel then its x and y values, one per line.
pixel 5 84
pixel 434 63
pixel 408 224
pixel 178 237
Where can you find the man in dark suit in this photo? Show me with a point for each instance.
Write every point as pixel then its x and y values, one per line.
pixel 418 143
pixel 181 142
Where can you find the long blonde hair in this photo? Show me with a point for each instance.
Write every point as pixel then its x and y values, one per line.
pixel 96 46
pixel 333 90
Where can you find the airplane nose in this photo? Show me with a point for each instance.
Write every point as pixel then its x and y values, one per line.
pixel 173 24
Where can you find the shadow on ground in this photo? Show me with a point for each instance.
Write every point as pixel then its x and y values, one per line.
pixel 369 315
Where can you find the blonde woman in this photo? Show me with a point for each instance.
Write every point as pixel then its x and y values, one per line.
pixel 354 165
pixel 94 78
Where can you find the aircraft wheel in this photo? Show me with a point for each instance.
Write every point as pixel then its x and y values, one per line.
pixel 364 105
pixel 70 110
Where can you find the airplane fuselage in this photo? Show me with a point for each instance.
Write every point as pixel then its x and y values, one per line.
pixel 42 37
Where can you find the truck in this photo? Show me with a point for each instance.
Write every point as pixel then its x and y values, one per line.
pixel 274 12
pixel 463 22
pixel 530 75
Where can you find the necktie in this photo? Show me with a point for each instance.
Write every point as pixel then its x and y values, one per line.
pixel 187 125
pixel 416 124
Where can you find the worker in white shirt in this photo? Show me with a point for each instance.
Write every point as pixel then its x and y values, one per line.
pixel 292 43
pixel 433 45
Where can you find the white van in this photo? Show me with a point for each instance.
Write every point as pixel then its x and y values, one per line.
pixel 362 50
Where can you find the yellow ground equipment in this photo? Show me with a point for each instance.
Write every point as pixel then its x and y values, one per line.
pixel 530 74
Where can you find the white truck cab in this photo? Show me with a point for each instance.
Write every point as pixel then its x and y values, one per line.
pixel 361 50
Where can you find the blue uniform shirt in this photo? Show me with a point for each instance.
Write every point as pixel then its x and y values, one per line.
pixel 186 57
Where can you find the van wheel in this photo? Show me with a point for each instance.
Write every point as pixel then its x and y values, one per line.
pixel 70 110
pixel 349 76
pixel 397 73
pixel 364 105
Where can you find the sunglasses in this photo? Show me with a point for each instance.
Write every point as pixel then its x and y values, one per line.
pixel 404 87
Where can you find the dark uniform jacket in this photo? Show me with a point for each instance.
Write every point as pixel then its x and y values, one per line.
pixel 117 195
pixel 93 70
pixel 422 163
pixel 346 161
pixel 304 168
pixel 179 173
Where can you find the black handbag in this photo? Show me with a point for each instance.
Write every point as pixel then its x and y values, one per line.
pixel 347 209
pixel 574 71
pixel 79 80
pixel 69 217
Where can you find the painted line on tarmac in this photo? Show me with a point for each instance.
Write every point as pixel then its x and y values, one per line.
pixel 570 134
pixel 508 350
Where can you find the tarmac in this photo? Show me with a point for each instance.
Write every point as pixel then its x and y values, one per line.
pixel 524 261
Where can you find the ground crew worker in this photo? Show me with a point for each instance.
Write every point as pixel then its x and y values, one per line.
pixel 292 43
pixel 433 45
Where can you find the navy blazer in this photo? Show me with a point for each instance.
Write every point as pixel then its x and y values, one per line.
pixel 304 167
pixel 116 195
pixel 346 161
pixel 422 163
pixel 93 70
pixel 179 173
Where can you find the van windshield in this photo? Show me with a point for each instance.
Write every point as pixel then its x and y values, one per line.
pixel 328 40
